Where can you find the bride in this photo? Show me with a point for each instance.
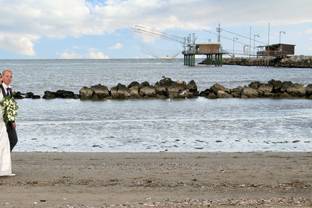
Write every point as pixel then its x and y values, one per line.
pixel 5 154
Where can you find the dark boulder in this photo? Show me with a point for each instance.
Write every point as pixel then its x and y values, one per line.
pixel 100 92
pixel 211 95
pixel 254 85
pixel 216 87
pixel 134 84
pixel 29 95
pixel 296 90
pixel 32 95
pixel 86 93
pixel 178 90
pixel 282 95
pixel 161 87
pixel 147 92
pixel 236 92
pixel 134 91
pixel 36 97
pixel 120 92
pixel 161 91
pixel 249 92
pixel 65 94
pixel 145 84
pixel 192 87
pixel 276 85
pixel 167 88
pixel 49 95
pixel 265 90
pixel 223 94
pixel 165 82
pixel 309 90
pixel 286 85
pixel 18 95
pixel 204 93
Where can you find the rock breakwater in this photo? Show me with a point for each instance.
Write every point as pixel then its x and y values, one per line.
pixel 166 88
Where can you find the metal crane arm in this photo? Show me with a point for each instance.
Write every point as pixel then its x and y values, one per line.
pixel 142 29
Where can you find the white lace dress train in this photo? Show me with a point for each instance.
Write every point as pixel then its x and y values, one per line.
pixel 5 154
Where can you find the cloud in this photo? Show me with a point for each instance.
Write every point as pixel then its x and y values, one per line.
pixel 202 13
pixel 70 55
pixel 94 54
pixel 22 23
pixel 117 46
pixel 308 32
pixel 18 42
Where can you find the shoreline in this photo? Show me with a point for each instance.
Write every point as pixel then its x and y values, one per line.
pixel 279 179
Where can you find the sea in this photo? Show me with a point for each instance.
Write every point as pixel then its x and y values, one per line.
pixel 190 125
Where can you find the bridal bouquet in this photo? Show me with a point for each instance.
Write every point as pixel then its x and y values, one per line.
pixel 9 109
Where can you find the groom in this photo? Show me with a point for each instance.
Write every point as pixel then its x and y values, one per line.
pixel 7 76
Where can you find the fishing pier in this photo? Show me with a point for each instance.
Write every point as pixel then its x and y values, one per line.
pixel 253 52
pixel 212 51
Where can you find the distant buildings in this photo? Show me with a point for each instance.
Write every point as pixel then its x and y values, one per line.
pixel 208 48
pixel 276 50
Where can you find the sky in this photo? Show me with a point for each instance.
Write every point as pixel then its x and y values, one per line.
pixel 102 29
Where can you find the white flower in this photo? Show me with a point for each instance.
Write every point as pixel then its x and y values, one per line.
pixel 10 109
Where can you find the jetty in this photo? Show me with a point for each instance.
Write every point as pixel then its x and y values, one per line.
pixel 166 88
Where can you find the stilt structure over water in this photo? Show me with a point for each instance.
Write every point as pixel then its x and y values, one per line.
pixel 280 50
pixel 212 51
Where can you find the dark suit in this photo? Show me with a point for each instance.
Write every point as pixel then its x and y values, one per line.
pixel 10 129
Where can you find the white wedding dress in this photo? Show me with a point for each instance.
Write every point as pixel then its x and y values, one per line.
pixel 5 154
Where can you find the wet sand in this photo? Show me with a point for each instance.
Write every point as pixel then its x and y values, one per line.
pixel 158 180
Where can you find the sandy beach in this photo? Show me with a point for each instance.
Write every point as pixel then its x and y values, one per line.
pixel 158 180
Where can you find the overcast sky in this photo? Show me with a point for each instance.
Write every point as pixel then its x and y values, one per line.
pixel 102 29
